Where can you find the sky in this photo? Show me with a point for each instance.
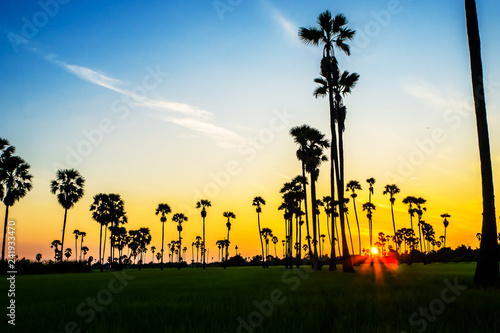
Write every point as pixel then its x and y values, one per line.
pixel 177 101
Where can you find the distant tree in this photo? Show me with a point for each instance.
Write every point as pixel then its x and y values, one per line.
pixel 15 181
pixel 392 190
pixel 84 250
pixel 153 249
pixel 275 241
pixel 76 232
pixel 68 187
pixel 229 216
pixel 179 218
pixel 203 204
pixel 164 209
pixel 57 253
pixel 411 201
pixel 158 257
pixel 198 244
pixel 370 182
pixel 445 223
pixel 369 207
pixel 67 253
pixel 258 202
pixel 266 234
pixel 38 257
pixel 352 186
pixel 82 234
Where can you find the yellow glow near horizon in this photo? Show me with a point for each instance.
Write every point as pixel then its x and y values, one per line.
pixel 374 250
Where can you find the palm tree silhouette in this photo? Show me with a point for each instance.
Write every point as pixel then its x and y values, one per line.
pixel 420 211
pixel 220 245
pixel 266 233
pixel 57 253
pixel 478 236
pixel 67 253
pixel 84 250
pixel 229 216
pixel 370 182
pixel 392 190
pixel 369 207
pixel 332 32
pixel 487 272
pixel 15 181
pixel 38 257
pixel 445 223
pixel 258 202
pixel 82 234
pixel 164 209
pixel 275 241
pixel 153 250
pixel 352 186
pixel 76 232
pixel 68 186
pixel 203 204
pixel 158 257
pixel 410 201
pixel 197 244
pixel 179 218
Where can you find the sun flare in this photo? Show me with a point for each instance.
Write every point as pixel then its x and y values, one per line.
pixel 374 250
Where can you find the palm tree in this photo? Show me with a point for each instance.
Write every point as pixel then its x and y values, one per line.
pixel 487 272
pixel 229 216
pixel 275 241
pixel 142 238
pixel 266 233
pixel 67 253
pixel 57 253
pixel 106 209
pixel 197 244
pixel 420 211
pixel 220 245
pixel 84 250
pixel 352 186
pixel 68 186
pixel 332 32
pixel 370 182
pixel 76 232
pixel 410 201
pixel 392 190
pixel 153 250
pixel 82 234
pixel 38 257
pixel 203 204
pixel 179 218
pixel 445 223
pixel 164 209
pixel 15 181
pixel 258 202
pixel 369 207
pixel 158 257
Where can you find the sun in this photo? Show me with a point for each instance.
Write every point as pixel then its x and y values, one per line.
pixel 374 250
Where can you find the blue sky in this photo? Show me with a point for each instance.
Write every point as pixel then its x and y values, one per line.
pixel 223 78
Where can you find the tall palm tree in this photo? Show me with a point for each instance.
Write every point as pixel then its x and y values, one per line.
pixel 352 186
pixel 370 182
pixel 275 241
pixel 229 216
pixel 266 233
pixel 369 207
pixel 67 253
pixel 203 204
pixel 76 232
pixel 153 250
pixel 164 209
pixel 143 238
pixel 82 234
pixel 55 244
pixel 179 218
pixel 420 211
pixel 332 32
pixel 68 186
pixel 15 181
pixel 38 257
pixel 392 190
pixel 411 201
pixel 445 223
pixel 258 202
pixel 487 272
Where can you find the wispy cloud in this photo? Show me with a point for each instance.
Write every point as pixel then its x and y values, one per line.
pixel 289 28
pixel 437 98
pixel 222 136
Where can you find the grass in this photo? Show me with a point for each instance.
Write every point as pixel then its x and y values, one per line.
pixel 375 299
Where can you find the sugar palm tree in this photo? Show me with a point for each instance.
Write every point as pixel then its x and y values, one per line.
pixel 392 190
pixel 258 202
pixel 15 181
pixel 266 234
pixel 352 186
pixel 370 182
pixel 38 257
pixel 203 204
pixel 67 253
pixel 275 241
pixel 158 257
pixel 369 207
pixel 84 250
pixel 197 243
pixel 163 209
pixel 411 201
pixel 55 244
pixel 332 32
pixel 420 211
pixel 487 272
pixel 142 238
pixel 76 232
pixel 445 223
pixel 82 234
pixel 179 218
pixel 153 250
pixel 229 216
pixel 68 186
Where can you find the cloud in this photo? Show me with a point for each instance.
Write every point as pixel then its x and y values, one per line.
pixel 289 28
pixel 222 136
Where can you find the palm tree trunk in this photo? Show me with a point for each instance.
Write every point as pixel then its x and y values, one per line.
pixel 394 224
pixel 100 242
pixel 260 237
pixel 104 243
pixel 350 234
pixel 334 222
pixel 162 241
pixel 419 234
pixel 444 237
pixel 487 271
pixel 203 247
pixel 64 228
pixel 357 222
pixel 305 207
pixel 5 231
pixel 76 248
pixel 319 237
pixel 179 256
pixel 299 258
pixel 81 246
pixel 313 203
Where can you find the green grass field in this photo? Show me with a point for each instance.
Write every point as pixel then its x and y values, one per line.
pixel 252 299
